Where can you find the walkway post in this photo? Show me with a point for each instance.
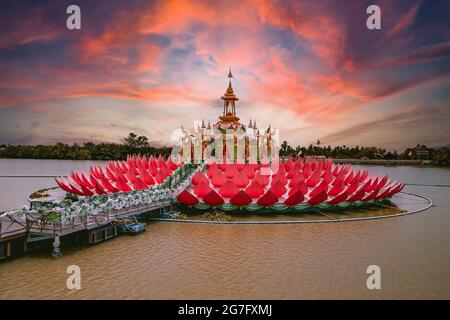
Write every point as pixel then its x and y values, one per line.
pixel 56 252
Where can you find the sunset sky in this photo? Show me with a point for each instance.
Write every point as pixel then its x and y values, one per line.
pixel 310 68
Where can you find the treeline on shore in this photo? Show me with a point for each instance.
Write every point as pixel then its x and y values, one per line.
pixel 134 144
pixel 439 156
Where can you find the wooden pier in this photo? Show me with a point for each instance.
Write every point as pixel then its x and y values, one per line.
pixel 24 228
pixel 18 232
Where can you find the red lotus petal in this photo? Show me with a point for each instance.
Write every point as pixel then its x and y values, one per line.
pixel 75 178
pixel 122 186
pixel 86 191
pixel 340 198
pixel 352 188
pixel 110 175
pixel 152 164
pixel 278 188
pixel 288 164
pixel 172 165
pixel 328 178
pixel 296 179
pixel 382 183
pixel 213 199
pixel 321 187
pixel 363 176
pixel 325 173
pixel 306 170
pixel 374 184
pixel 131 175
pixel 138 184
pixel 240 180
pixel 160 161
pixel 318 198
pixel 93 172
pixel 228 190
pixel 268 199
pixel 349 178
pixel 63 186
pixel 240 199
pixel 368 185
pixel 385 193
pixel 121 177
pixel 337 180
pixel 337 189
pixel 153 170
pixel 146 177
pixel 186 198
pixel 108 186
pixel 212 171
pixel 262 180
pixel 356 177
pixel 371 196
pixel 336 170
pixel 295 198
pixel 292 173
pixel 198 177
pixel 99 189
pixel 280 176
pixel 255 190
pixel 231 171
pixel 85 182
pixel 396 189
pixel 160 177
pixel 357 196
pixel 76 190
pixel 219 179
pixel 123 166
pixel 249 171
pixel 202 189
pixel 300 186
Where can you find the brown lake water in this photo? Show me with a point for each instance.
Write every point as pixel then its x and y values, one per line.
pixel 196 261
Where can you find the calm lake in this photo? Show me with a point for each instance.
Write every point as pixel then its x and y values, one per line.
pixel 196 261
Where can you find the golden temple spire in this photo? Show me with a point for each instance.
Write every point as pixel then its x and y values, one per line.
pixel 230 91
pixel 229 103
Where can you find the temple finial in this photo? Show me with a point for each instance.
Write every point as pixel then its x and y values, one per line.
pixel 230 75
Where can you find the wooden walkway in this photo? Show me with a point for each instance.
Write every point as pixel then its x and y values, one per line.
pixel 14 226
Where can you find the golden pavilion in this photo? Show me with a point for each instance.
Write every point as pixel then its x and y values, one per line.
pixel 228 140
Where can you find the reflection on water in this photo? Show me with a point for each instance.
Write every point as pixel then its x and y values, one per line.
pixel 175 261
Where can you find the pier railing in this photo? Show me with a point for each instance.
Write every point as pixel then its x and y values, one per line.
pixel 90 221
pixel 12 224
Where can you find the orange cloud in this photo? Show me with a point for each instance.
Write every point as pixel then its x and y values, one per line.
pixel 308 58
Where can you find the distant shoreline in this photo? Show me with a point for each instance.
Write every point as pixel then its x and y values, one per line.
pixel 382 162
pixel 378 162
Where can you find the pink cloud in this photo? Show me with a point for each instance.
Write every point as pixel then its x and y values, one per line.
pixel 304 57
pixel 406 21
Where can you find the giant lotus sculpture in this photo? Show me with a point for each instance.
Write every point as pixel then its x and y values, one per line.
pixel 296 184
pixel 265 184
